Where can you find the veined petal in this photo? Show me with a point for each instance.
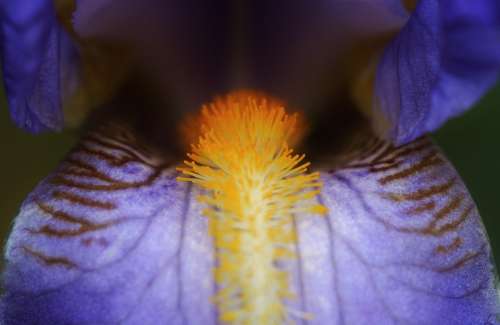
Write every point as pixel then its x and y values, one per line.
pixel 403 244
pixel 38 64
pixel 443 60
pixel 111 237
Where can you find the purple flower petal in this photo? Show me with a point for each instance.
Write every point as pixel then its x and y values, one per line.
pixel 111 237
pixel 444 59
pixel 37 63
pixel 403 244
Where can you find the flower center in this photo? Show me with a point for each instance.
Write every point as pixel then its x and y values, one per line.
pixel 255 185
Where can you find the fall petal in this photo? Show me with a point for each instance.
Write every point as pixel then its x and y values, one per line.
pixel 112 237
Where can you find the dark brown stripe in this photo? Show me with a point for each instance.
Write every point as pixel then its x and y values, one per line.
pixel 50 260
pixel 391 157
pixel 120 147
pixel 432 229
pixel 446 249
pixel 87 174
pixel 420 194
pixel 460 263
pixel 429 206
pixel 376 146
pixel 386 166
pixel 454 224
pixel 59 180
pixel 428 161
pixel 73 198
pixel 103 155
pixel 80 164
pixel 63 216
pixel 409 149
pixel 446 210
pixel 61 233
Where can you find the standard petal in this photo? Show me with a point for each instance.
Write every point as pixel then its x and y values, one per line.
pixel 111 237
pixel 38 64
pixel 443 60
pixel 403 244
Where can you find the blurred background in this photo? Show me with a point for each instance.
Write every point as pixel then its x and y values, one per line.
pixel 472 143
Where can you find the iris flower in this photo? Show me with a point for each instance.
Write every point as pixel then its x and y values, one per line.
pixel 378 229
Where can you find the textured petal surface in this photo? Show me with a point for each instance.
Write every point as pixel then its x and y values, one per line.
pixel 443 60
pixel 37 63
pixel 111 237
pixel 105 240
pixel 402 244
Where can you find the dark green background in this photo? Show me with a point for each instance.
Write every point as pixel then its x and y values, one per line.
pixel 472 142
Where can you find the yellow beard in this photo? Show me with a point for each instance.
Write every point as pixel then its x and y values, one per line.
pixel 255 183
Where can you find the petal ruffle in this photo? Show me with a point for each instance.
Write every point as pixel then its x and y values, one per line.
pixel 443 60
pixel 38 64
pixel 111 237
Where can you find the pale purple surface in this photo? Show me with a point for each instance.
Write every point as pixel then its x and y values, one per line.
pixel 148 259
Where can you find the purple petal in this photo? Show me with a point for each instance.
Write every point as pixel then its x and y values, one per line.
pixel 403 244
pixel 444 59
pixel 38 62
pixel 111 237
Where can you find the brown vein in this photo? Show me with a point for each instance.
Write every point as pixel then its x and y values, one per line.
pixel 391 157
pixel 454 224
pixel 446 249
pixel 420 194
pixel 62 233
pixel 446 210
pixel 73 198
pixel 409 149
pixel 84 225
pixel 432 229
pixel 429 206
pixel 428 161
pixel 87 174
pixel 59 180
pixel 461 262
pixel 117 146
pixel 63 216
pixel 50 260
pixel 103 155
pixel 387 166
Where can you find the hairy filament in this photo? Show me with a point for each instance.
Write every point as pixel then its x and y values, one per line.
pixel 255 184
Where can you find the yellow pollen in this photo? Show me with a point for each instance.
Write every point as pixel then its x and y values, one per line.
pixel 255 184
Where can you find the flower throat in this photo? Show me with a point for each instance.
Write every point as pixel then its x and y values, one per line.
pixel 255 184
